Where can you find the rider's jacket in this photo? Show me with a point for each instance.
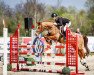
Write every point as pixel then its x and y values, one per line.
pixel 61 21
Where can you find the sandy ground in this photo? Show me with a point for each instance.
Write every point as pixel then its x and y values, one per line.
pixel 90 61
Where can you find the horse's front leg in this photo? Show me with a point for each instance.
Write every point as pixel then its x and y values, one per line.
pixel 53 37
pixel 48 40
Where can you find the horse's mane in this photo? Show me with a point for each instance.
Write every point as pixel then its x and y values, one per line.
pixel 48 21
pixel 45 21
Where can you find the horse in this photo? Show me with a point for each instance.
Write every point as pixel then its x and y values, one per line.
pixel 53 33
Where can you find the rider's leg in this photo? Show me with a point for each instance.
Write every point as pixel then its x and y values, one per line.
pixel 64 33
pixel 67 25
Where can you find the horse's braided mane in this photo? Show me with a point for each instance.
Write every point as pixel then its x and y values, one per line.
pixel 48 21
pixel 39 23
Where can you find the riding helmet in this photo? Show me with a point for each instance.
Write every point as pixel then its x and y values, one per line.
pixel 54 15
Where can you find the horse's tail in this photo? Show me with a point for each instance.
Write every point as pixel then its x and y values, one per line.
pixel 85 44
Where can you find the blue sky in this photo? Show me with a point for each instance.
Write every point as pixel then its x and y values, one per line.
pixel 79 4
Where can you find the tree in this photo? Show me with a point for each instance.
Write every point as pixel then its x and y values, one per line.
pixel 5 13
pixel 28 9
pixel 90 16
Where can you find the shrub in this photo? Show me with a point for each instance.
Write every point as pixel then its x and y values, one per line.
pixel 66 71
pixel 9 67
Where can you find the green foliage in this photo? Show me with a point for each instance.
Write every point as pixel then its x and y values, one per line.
pixel 29 59
pixel 9 67
pixel 66 71
pixel 60 11
pixel 90 14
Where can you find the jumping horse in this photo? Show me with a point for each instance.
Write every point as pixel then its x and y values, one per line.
pixel 51 32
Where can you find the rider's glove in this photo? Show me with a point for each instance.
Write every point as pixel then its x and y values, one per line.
pixel 55 23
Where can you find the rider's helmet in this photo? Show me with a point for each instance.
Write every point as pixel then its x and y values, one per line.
pixel 54 15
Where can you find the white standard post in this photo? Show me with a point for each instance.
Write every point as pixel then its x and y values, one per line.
pixel 5 51
pixel 32 36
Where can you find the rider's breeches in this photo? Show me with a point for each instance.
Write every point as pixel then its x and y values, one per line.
pixel 67 25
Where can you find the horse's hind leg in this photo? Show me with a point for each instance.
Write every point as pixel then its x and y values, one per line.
pixel 82 59
pixel 85 44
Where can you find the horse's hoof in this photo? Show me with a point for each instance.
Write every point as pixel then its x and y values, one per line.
pixel 87 69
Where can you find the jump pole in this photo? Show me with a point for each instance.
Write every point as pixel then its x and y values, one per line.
pixel 5 35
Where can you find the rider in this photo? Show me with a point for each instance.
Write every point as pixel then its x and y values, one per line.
pixel 61 22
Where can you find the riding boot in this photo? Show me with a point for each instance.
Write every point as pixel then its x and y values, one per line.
pixel 64 34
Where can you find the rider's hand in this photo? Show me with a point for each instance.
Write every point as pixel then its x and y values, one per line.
pixel 55 23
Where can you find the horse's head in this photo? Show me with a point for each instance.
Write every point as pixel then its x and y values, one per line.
pixel 43 26
pixel 39 29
